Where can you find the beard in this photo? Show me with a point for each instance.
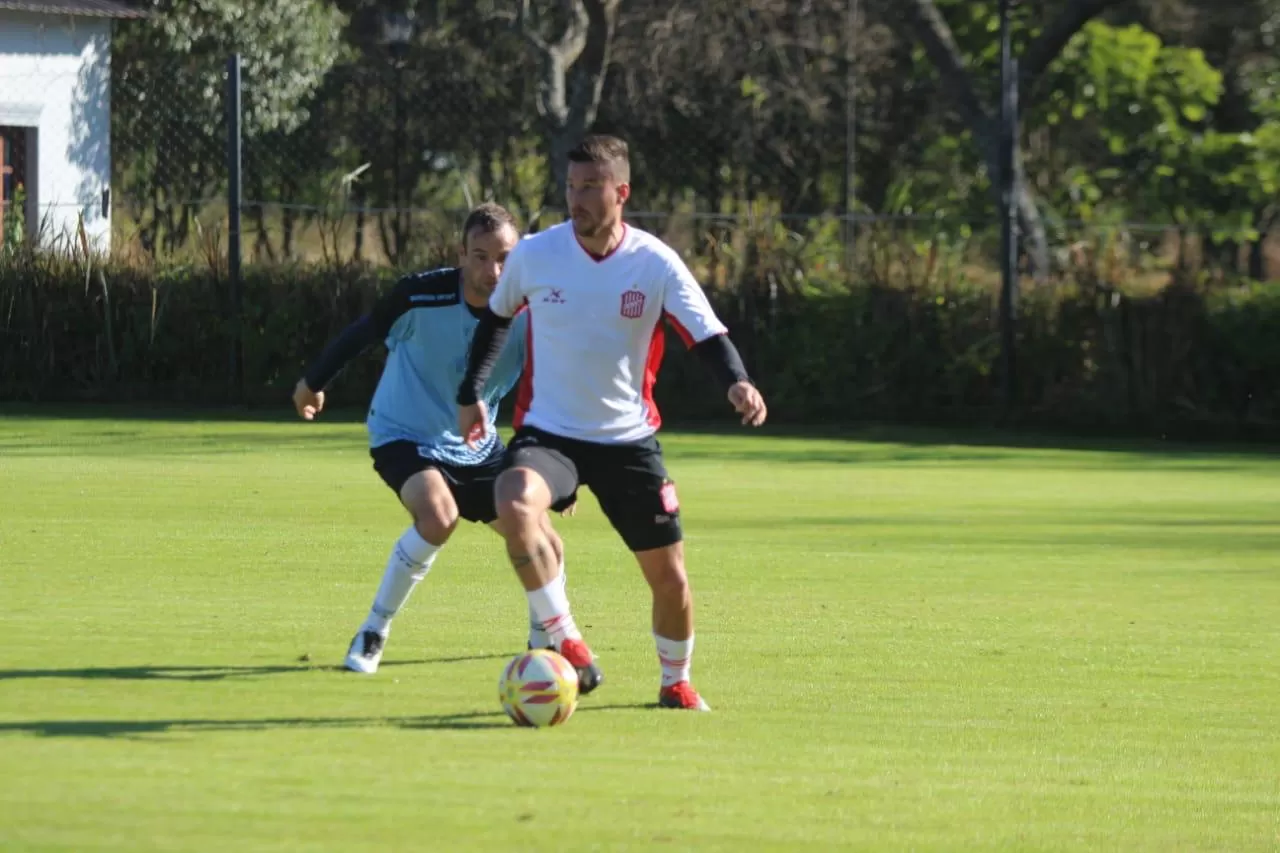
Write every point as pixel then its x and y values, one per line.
pixel 586 225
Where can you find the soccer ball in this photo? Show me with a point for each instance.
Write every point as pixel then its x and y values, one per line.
pixel 538 688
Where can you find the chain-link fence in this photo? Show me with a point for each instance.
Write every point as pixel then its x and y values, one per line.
pixel 792 143
pixel 169 157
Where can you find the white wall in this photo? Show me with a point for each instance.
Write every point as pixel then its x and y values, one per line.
pixel 55 74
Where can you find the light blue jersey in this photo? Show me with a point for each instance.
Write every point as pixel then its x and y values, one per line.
pixel 427 327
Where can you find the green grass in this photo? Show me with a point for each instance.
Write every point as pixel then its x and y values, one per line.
pixel 915 645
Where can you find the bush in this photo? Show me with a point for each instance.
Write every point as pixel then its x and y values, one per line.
pixel 923 347
pixel 78 331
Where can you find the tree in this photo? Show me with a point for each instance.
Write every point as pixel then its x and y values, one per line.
pixel 169 89
pixel 1241 40
pixel 926 22
pixel 573 65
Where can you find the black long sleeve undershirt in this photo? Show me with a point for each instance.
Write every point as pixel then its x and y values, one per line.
pixel 486 345
pixel 353 340
pixel 725 362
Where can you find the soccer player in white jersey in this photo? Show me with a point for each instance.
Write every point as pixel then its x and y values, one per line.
pixel 426 321
pixel 597 292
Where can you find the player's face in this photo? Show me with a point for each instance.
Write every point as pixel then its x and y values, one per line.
pixel 483 254
pixel 594 198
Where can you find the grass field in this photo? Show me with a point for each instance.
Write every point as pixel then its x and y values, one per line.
pixel 917 645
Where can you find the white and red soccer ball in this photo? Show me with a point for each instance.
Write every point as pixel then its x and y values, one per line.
pixel 538 688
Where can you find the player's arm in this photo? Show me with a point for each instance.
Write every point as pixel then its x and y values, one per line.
pixel 308 394
pixel 492 331
pixel 687 309
pixel 486 347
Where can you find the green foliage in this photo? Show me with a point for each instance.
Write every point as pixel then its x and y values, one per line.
pixel 1138 115
pixel 286 46
pixel 15 221
pixel 166 333
pixel 1137 106
pixel 905 339
pixel 168 96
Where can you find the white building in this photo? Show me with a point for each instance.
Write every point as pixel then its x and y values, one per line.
pixel 55 115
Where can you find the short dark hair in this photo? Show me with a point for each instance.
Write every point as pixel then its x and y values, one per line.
pixel 488 218
pixel 602 148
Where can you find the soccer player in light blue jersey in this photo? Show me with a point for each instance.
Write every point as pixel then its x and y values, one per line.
pixel 427 321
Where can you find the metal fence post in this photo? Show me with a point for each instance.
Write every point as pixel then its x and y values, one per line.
pixel 1008 146
pixel 233 221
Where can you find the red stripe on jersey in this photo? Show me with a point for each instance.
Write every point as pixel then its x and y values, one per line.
pixel 680 329
pixel 524 394
pixel 657 345
pixel 599 258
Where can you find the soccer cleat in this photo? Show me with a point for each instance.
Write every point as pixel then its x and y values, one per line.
pixel 366 652
pixel 682 695
pixel 589 675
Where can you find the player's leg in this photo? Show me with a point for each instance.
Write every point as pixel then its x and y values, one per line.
pixel 664 571
pixel 640 502
pixel 474 489
pixel 539 475
pixel 538 638
pixel 427 496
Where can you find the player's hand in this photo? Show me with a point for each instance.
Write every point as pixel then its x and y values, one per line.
pixel 473 423
pixel 308 403
pixel 747 401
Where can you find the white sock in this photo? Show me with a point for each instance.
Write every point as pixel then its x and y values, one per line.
pixel 538 638
pixel 676 656
pixel 550 606
pixel 408 564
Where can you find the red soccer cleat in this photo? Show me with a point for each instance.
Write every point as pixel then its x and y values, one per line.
pixel 589 675
pixel 682 695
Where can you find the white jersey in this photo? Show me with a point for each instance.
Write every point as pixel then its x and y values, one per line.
pixel 596 335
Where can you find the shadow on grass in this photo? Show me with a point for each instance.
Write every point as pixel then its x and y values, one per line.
pixel 823 444
pixel 137 729
pixel 142 729
pixel 212 673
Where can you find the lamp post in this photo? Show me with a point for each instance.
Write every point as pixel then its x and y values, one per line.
pixel 397 35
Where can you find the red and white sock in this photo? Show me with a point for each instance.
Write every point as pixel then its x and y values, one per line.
pixel 550 605
pixel 676 656
pixel 538 638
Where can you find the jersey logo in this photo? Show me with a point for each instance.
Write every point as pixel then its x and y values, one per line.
pixel 632 304
pixel 431 298
pixel 670 503
pixel 555 297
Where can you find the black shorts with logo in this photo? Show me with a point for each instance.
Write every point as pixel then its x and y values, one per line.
pixel 471 485
pixel 629 481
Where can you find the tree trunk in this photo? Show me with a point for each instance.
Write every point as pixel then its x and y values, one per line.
pixel 573 72
pixel 926 24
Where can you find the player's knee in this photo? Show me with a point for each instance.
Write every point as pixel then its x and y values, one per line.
pixel 517 495
pixel 435 521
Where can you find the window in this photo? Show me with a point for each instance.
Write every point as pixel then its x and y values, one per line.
pixel 13 184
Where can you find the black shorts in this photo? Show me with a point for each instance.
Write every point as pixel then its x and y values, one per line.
pixel 471 485
pixel 630 482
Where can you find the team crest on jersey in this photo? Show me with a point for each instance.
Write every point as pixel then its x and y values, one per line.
pixel 555 297
pixel 632 304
